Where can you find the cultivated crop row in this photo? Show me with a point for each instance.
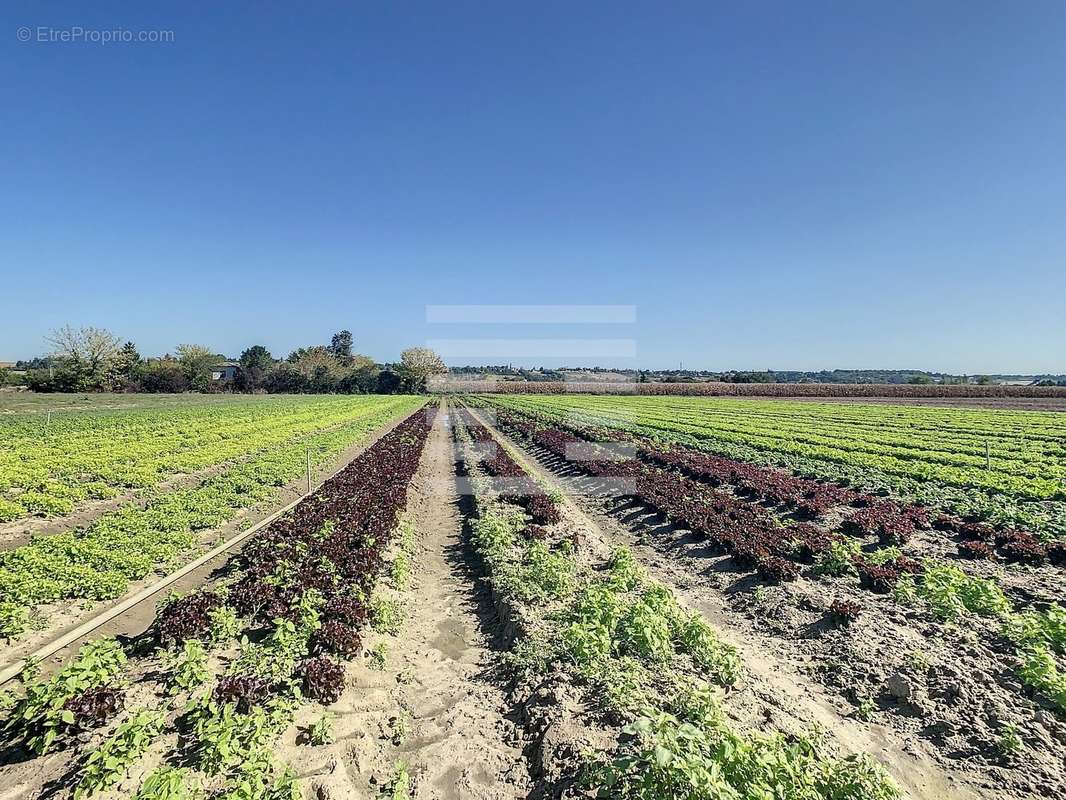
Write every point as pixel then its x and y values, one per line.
pixel 639 670
pixel 197 703
pixel 893 522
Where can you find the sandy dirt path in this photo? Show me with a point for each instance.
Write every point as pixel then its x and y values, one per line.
pixel 439 704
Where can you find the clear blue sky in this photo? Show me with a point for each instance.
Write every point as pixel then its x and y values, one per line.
pixel 787 185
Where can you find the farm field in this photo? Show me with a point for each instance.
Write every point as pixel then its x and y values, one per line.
pixel 1002 466
pixel 945 629
pixel 493 597
pixel 476 402
pixel 201 700
pixel 254 448
pixel 96 450
pixel 1052 398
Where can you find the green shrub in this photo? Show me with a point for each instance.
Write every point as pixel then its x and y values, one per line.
pixel 541 575
pixel 645 632
pixel 884 555
pixel 1039 627
pixel 399 787
pixel 698 757
pixel 224 624
pixel 320 732
pixel 226 739
pixel 10 510
pixel 257 778
pixel 1039 671
pixel 588 631
pixel 721 661
pixel 400 571
pixel 43 503
pixel 386 616
pixel 14 619
pixel 624 571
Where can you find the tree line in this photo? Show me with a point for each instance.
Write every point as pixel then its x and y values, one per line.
pixel 95 360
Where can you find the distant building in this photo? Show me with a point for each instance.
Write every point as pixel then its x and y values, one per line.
pixel 226 371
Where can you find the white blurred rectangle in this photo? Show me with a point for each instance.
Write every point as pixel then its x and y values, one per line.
pixel 600 451
pixel 532 314
pixel 534 348
pixel 573 487
pixel 475 452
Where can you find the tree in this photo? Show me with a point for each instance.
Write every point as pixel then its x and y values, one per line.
pixel 36 363
pixel 256 357
pixel 123 367
pixel 418 365
pixel 340 347
pixel 196 362
pixel 161 375
pixel 753 377
pixel 319 369
pixel 984 380
pixel 359 380
pixel 91 346
pixel 9 378
pixel 359 361
pixel 285 379
pixel 388 382
pixel 311 360
pixel 84 356
pixel 256 361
